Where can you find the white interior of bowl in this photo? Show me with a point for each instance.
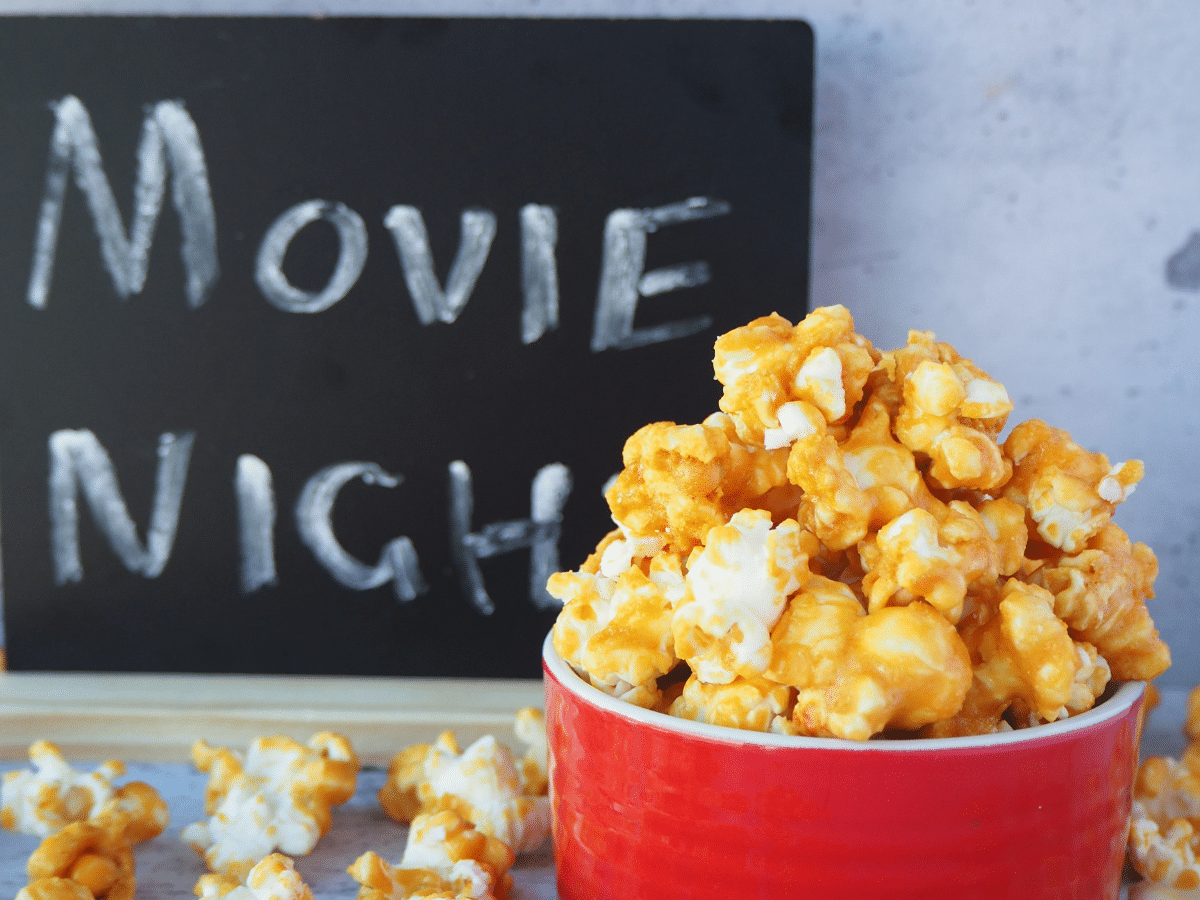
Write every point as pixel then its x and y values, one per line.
pixel 1121 700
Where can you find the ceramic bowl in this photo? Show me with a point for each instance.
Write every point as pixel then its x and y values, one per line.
pixel 649 806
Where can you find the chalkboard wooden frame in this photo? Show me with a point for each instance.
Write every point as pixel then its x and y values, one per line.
pixel 93 604
pixel 157 718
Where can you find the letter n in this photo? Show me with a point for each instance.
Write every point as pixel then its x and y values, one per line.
pixel 79 462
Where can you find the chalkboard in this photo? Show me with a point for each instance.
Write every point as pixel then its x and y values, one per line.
pixel 320 338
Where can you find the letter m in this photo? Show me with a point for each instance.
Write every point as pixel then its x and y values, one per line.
pixel 169 141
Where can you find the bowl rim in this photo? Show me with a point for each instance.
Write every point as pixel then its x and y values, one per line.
pixel 1125 696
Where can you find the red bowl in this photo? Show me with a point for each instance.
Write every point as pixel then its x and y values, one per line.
pixel 647 806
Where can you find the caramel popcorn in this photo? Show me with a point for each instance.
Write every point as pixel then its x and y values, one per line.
pixel 482 784
pixel 52 794
pixel 619 629
pixel 273 878
pixel 951 411
pixel 92 859
pixel 773 372
pixel 736 588
pixel 279 796
pixel 446 858
pixel 847 548
pixel 1069 493
pixel 1164 830
pixel 755 704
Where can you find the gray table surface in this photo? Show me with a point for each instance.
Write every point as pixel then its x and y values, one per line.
pixel 167 869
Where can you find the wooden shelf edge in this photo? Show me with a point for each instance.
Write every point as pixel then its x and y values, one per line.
pixel 157 718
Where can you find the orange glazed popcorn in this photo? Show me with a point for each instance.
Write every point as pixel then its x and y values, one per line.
pixel 483 784
pixel 52 794
pixel 849 548
pixel 278 796
pixel 446 858
pixel 274 878
pixel 1164 831
pixel 93 859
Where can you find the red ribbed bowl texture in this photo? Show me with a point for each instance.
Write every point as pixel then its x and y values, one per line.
pixel 649 807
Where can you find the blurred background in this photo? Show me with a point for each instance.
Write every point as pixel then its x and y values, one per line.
pixel 1020 178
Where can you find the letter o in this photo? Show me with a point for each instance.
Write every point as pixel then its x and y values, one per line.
pixel 352 256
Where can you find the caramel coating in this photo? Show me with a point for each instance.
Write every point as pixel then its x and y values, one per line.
pixel 903 667
pixel 1070 493
pixel 679 481
pixel 752 704
pixel 1101 592
pixel 618 631
pixel 820 362
pixel 1024 661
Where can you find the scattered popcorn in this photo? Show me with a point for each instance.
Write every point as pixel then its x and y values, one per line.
pixel 446 858
pixel 278 797
pixel 846 548
pixel 273 878
pixel 52 794
pixel 1166 809
pixel 1164 831
pixel 482 784
pixel 93 859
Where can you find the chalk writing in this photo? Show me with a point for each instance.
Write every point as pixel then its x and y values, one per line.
pixel 79 462
pixel 170 147
pixel 171 142
pixel 539 271
pixel 169 136
pixel 352 256
pixel 432 303
pixel 623 277
pixel 314 519
pixel 256 520
pixel 539 533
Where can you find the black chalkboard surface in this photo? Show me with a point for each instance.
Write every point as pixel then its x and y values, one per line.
pixel 319 339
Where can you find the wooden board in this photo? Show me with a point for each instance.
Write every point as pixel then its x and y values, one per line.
pixel 157 718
